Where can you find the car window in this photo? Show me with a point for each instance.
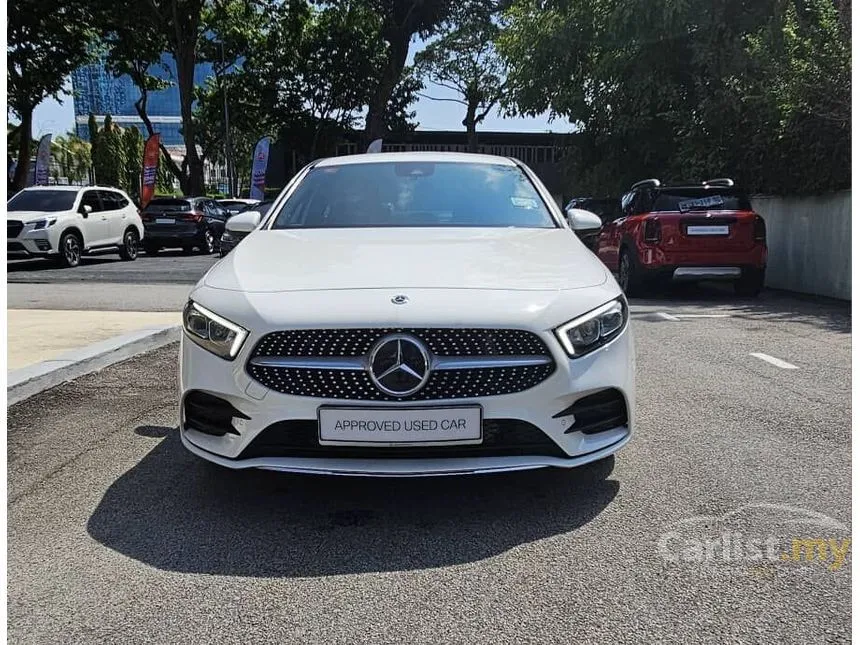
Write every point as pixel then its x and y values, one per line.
pixel 46 201
pixel 692 199
pixel 415 194
pixel 168 205
pixel 111 200
pixel 91 199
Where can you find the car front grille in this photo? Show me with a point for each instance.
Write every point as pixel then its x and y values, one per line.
pixel 13 228
pixel 502 437
pixel 493 362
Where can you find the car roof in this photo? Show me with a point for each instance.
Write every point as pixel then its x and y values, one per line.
pixel 73 188
pixel 426 157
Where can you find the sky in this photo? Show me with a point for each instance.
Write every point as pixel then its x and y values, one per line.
pixel 57 118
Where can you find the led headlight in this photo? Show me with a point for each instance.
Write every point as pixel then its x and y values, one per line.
pixel 594 329
pixel 44 223
pixel 212 332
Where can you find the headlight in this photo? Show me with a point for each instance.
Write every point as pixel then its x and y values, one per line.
pixel 44 223
pixel 212 332
pixel 226 236
pixel 594 329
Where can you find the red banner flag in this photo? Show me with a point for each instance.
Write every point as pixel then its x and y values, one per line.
pixel 151 157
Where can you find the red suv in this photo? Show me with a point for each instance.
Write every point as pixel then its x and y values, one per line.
pixel 704 232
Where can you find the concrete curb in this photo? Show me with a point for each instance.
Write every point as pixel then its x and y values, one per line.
pixel 27 381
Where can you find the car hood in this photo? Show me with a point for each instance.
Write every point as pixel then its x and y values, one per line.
pixel 407 258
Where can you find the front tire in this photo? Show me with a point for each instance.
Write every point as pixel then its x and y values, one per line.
pixel 71 249
pixel 130 243
pixel 750 283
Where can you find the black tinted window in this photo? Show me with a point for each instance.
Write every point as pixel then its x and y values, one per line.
pixel 415 193
pixel 168 205
pixel 692 199
pixel 48 201
pixel 91 199
pixel 112 201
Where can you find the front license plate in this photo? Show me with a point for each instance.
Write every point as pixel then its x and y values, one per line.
pixel 708 230
pixel 162 220
pixel 399 426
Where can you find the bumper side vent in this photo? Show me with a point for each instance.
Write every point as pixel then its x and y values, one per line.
pixel 597 412
pixel 210 414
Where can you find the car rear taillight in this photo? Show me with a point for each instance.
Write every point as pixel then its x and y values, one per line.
pixel 652 230
pixel 193 216
pixel 146 217
pixel 759 229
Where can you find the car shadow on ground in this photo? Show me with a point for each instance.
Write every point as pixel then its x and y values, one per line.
pixel 176 512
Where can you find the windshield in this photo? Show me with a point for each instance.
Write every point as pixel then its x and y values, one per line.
pixel 48 201
pixel 698 199
pixel 168 205
pixel 416 194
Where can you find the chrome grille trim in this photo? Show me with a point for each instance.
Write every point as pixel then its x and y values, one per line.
pixel 438 362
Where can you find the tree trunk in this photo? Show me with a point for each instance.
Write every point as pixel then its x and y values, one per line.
pixel 140 106
pixel 22 170
pixel 471 126
pixel 185 56
pixel 375 126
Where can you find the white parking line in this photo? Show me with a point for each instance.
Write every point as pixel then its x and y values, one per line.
pixel 666 316
pixel 703 315
pixel 774 361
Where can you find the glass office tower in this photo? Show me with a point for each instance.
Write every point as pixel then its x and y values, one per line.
pixel 97 91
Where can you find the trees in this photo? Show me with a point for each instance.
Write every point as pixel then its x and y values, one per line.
pixel 47 40
pixel 72 155
pixel 694 89
pixel 400 21
pixel 465 60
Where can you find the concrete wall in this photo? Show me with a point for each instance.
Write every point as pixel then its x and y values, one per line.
pixel 809 243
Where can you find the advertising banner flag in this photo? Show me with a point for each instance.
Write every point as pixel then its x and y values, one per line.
pixel 258 168
pixel 43 161
pixel 375 146
pixel 151 157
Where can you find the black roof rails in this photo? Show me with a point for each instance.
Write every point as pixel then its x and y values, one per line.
pixel 723 181
pixel 654 183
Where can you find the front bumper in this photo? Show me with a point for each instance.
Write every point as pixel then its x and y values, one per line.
pixel 30 244
pixel 609 368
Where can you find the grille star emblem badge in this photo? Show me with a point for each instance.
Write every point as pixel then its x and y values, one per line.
pixel 400 299
pixel 399 365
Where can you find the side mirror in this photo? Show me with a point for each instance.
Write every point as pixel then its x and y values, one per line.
pixel 583 222
pixel 244 222
pixel 85 210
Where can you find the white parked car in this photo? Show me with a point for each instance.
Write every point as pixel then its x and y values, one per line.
pixel 66 222
pixel 408 314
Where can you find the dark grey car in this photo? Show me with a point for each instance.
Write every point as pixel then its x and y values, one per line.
pixel 183 222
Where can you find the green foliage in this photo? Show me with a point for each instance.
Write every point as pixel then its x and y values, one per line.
pixel 689 89
pixel 47 40
pixel 72 155
pixel 132 144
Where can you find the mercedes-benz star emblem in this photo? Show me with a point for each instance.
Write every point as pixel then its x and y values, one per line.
pixel 399 365
pixel 400 299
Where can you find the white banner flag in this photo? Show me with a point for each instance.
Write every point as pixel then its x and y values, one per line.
pixel 258 168
pixel 43 161
pixel 375 146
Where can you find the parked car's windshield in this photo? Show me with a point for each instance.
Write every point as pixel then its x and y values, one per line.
pixel 417 194
pixel 49 201
pixel 692 199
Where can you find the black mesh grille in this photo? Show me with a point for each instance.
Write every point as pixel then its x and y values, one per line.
pixel 502 437
pixel 13 227
pixel 357 385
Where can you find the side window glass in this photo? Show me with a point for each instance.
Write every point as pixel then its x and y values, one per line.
pixel 91 199
pixel 121 202
pixel 110 200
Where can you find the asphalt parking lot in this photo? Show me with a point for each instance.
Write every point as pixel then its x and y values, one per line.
pixel 116 534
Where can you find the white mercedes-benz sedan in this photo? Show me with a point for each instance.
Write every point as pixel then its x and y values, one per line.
pixel 408 314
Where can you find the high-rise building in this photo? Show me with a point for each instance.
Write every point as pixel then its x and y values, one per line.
pixel 98 92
